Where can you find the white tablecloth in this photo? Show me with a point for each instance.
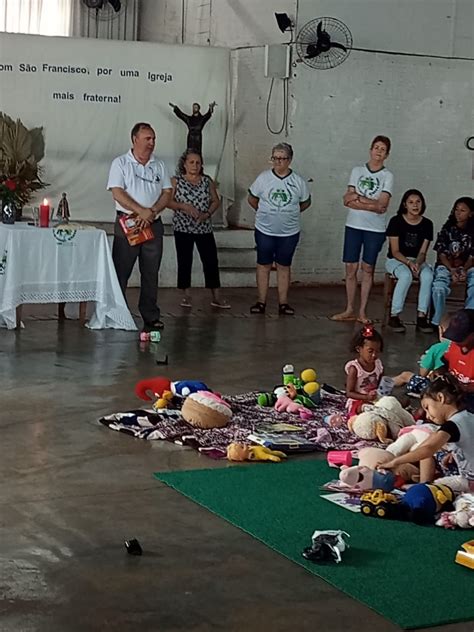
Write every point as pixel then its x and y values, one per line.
pixel 49 265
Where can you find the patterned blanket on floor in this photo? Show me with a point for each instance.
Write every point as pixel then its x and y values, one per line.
pixel 247 417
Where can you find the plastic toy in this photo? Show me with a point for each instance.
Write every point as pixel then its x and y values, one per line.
pixel 326 546
pixel 336 458
pixel 466 556
pixel 242 452
pixel 420 504
pixel 378 503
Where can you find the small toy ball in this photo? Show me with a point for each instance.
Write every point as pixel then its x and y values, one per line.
pixel 308 375
pixel 311 388
pixel 206 410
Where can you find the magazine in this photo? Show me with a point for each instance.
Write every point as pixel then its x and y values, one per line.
pixel 278 427
pixel 346 501
pixel 285 442
pixel 133 233
pixel 338 486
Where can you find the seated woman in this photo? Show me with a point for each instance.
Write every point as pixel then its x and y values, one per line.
pixel 409 235
pixel 455 248
pixel 194 201
pixel 278 196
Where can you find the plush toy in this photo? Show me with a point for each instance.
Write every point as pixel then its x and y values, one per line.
pixel 163 401
pixel 420 504
pixel 285 404
pixel 462 516
pixel 185 387
pixel 304 390
pixel 154 385
pixel 206 410
pixel 365 476
pixel 242 452
pixel 382 420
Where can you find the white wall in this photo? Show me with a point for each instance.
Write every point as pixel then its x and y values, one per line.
pixel 422 102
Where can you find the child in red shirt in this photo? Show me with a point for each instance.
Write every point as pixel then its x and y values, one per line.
pixel 459 358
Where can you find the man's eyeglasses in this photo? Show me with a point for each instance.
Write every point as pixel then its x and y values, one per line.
pixel 153 181
pixel 278 158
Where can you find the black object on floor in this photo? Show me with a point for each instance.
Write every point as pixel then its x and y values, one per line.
pixel 133 547
pixel 164 361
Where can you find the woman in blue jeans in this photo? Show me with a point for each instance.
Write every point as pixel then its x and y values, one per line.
pixel 409 235
pixel 455 248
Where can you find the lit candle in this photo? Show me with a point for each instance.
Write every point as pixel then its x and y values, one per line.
pixel 44 214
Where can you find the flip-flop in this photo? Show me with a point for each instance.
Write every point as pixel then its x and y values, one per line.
pixel 185 303
pixel 341 318
pixel 365 321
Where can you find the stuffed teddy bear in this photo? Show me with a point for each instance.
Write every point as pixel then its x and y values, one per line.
pixel 462 516
pixel 382 420
pixel 242 452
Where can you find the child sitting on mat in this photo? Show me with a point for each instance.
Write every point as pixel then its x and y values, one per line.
pixel 443 404
pixel 430 362
pixel 363 374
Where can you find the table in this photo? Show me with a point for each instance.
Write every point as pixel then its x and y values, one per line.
pixel 54 265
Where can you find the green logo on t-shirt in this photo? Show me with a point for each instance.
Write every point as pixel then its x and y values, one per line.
pixel 280 197
pixel 368 185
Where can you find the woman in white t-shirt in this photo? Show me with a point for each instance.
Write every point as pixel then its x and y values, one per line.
pixel 366 199
pixel 278 196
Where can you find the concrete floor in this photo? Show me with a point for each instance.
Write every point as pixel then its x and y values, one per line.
pixel 73 491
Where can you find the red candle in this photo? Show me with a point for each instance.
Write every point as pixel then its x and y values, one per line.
pixel 44 214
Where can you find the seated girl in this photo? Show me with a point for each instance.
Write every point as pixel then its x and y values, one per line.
pixel 443 404
pixel 455 248
pixel 410 235
pixel 365 371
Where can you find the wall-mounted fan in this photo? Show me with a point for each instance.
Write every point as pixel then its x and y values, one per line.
pixel 323 43
pixel 105 9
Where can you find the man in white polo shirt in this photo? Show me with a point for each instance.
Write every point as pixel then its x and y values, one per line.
pixel 141 187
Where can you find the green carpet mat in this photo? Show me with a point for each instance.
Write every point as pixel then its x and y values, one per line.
pixel 404 572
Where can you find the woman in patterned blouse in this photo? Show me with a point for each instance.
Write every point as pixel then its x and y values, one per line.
pixel 455 261
pixel 194 201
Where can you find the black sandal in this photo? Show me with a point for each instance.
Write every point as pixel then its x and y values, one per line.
pixel 258 308
pixel 286 310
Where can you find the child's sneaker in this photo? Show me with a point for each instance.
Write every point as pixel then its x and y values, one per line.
pixel 417 385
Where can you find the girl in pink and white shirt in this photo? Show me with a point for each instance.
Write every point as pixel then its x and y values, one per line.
pixel 363 374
